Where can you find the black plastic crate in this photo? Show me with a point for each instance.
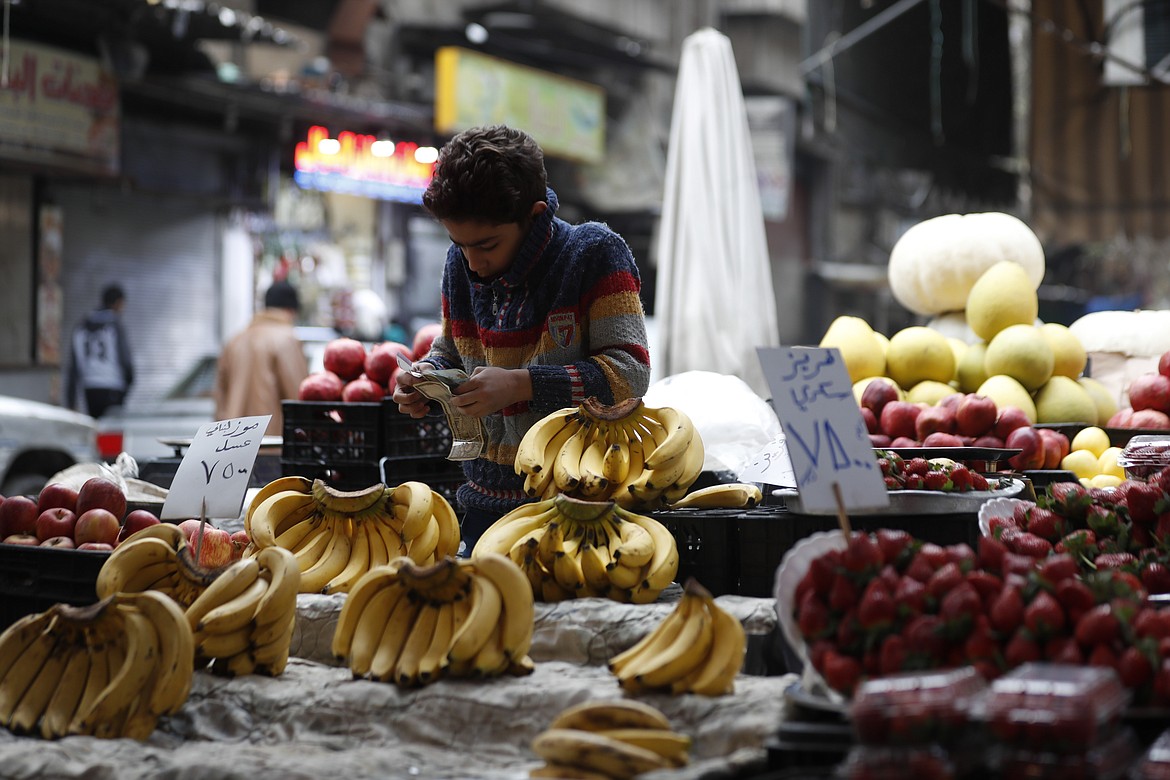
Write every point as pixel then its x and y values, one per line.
pixel 765 533
pixel 409 437
pixel 706 546
pixel 338 442
pixel 32 579
pixel 442 475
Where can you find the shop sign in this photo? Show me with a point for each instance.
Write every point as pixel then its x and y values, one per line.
pixel 360 164
pixel 59 109
pixel 565 116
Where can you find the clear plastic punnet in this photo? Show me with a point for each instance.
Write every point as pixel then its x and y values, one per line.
pixel 1145 455
pixel 916 707
pixel 1155 763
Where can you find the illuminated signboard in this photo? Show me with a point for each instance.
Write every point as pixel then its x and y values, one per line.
pixel 358 164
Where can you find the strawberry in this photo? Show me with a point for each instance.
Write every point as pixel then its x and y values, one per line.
pixel 1021 649
pixel 892 542
pixel 841 672
pixel 1069 499
pixel 1156 577
pixel 1046 524
pixel 893 655
pixel 935 554
pixel 924 634
pixel 842 595
pixel 936 480
pixel 1098 626
pixel 823 570
pixel 1031 545
pixel 892 483
pixel 1044 616
pixel 848 632
pixel 861 554
pixel 1114 560
pixel 959 606
pixel 1102 520
pixel 1063 650
pixel 1057 568
pixel 1007 611
pixel 889 575
pixel 914 482
pixel 1141 499
pixel 1135 669
pixel 916 467
pixel 920 568
pixel 995 524
pixel 988 585
pixel 1078 542
pixel 877 607
pixel 961 478
pixel 1020 512
pixel 961 554
pixel 991 552
pixel 1017 564
pixel 943 580
pixel 1103 655
pixel 817 650
pixel 1076 598
pixel 980 647
pixel 978 481
pixel 1150 622
pixel 812 616
pixel 910 596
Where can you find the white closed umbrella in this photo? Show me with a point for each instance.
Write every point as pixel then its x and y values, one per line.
pixel 714 302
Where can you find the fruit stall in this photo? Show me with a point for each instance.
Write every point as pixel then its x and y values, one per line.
pixel 1005 614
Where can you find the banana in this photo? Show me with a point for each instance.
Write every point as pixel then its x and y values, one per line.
pixel 357 565
pixel 486 605
pixel 552 591
pixel 386 528
pixel 35 648
pixel 602 715
pixel 515 525
pixel 349 502
pixel 105 716
pixel 536 485
pixel 692 467
pixel 371 624
pixel 40 690
pixel 595 752
pixel 235 613
pixel 593 567
pixel 567 566
pixel 623 576
pixel 636 546
pixel 379 553
pixel 669 744
pixel 313 546
pixel 621 492
pixel 516 595
pixel 176 651
pixel 353 607
pixel 238 665
pixel 615 464
pixel 688 651
pixel 271 656
pixel 421 548
pixel 418 641
pixel 552 543
pixel 392 638
pixel 716 676
pixel 679 432
pixel 523 555
pixel 567 464
pixel 271 632
pixel 67 695
pixel 331 562
pixel 734 495
pixel 593 482
pixel 448 522
pixel 147 577
pixel 491 660
pixel 98 677
pixel 530 453
pixel 625 663
pixel 229 584
pixel 302 484
pixel 434 661
pixel 663 565
pixel 224 645
pixel 277 509
pixel 167 532
pixel 284 579
pixel 128 559
pixel 416 497
pixel 295 535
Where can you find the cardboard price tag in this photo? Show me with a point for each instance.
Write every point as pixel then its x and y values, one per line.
pixel 771 466
pixel 213 476
pixel 827 439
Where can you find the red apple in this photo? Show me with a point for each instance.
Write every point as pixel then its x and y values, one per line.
pixel 97 525
pixel 902 442
pixel 18 515
pixel 321 386
pixel 871 423
pixel 989 440
pixel 1010 418
pixel 215 549
pixel 423 337
pixel 880 440
pixel 1164 364
pixel 1150 418
pixel 975 415
pixel 1150 391
pixel 382 361
pixel 28 539
pixel 57 521
pixel 346 358
pixel 240 540
pixel 64 542
pixel 1120 418
pixel 96 546
pixel 878 393
pixel 1056 446
pixel 101 493
pixel 952 401
pixel 1027 439
pixel 135 521
pixel 932 419
pixel 941 439
pixel 362 389
pixel 898 419
pixel 57 494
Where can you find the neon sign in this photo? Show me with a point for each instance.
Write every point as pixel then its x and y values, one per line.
pixel 359 164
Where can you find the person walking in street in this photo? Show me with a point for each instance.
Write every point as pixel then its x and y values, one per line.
pixel 264 363
pixel 542 314
pixel 100 367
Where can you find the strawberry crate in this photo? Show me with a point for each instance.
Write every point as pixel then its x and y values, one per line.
pixel 442 475
pixel 335 441
pixel 409 437
pixel 32 579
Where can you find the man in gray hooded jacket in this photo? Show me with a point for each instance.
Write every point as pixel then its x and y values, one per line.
pixel 100 367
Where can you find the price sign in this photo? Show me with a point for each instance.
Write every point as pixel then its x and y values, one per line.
pixel 827 438
pixel 213 476
pixel 771 466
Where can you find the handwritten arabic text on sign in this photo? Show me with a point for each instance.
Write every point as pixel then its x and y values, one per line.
pixel 214 474
pixel 827 439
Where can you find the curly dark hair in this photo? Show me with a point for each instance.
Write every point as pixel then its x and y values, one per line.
pixel 493 174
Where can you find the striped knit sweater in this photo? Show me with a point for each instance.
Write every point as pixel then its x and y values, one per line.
pixel 568 310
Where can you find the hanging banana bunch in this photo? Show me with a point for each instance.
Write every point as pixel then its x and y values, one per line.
pixel 338 536
pixel 631 453
pixel 569 548
pixel 411 625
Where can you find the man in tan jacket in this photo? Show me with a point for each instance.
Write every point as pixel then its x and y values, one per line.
pixel 264 363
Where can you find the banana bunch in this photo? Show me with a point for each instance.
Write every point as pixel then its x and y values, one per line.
pixel 156 558
pixel 727 495
pixel 569 548
pixel 243 620
pixel 639 456
pixel 338 536
pixel 609 739
pixel 697 648
pixel 411 625
pixel 108 670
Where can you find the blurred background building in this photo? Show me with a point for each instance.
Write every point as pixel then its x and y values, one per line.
pixel 195 151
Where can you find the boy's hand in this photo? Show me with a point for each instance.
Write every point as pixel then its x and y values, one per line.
pixel 490 389
pixel 409 400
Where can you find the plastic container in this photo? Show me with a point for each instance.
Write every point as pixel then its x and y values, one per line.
pixel 32 579
pixel 442 475
pixel 926 762
pixel 1155 763
pixel 765 534
pixel 1059 707
pixel 337 442
pixel 706 546
pixel 1145 456
pixel 914 708
pixel 408 437
pixel 1108 760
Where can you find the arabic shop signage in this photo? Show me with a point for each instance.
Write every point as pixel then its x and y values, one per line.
pixel 564 115
pixel 359 164
pixel 60 109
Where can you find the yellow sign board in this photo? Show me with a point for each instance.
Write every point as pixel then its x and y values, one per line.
pixel 565 116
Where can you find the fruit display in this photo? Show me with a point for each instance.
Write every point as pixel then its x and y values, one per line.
pixel 411 625
pixel 942 474
pixel 569 548
pixel 337 536
pixel 697 648
pixel 617 739
pixel 157 558
pixel 640 456
pixel 108 670
pixel 888 603
pixel 1149 400
pixel 1093 459
pixel 914 708
pixel 92 517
